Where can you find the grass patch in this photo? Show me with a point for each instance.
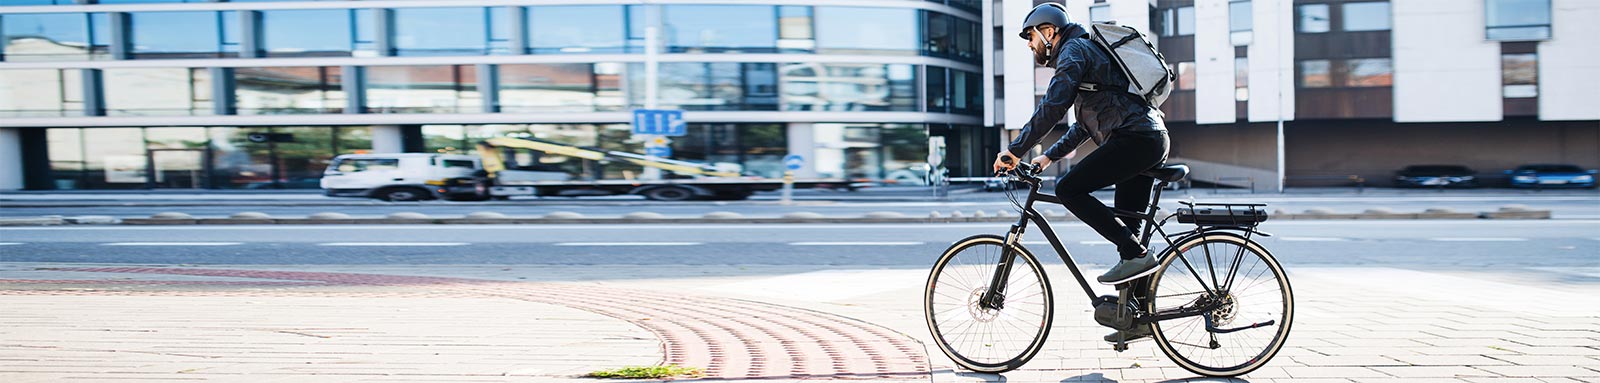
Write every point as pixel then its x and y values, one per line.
pixel 648 372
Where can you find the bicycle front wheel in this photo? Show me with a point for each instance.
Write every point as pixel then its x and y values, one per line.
pixel 987 338
pixel 1254 306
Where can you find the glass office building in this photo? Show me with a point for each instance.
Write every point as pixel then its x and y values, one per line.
pixel 134 94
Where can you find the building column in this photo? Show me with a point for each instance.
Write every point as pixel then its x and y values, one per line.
pixel 222 87
pixel 250 34
pixel 387 139
pixel 489 87
pixel 802 141
pixel 353 81
pixel 121 34
pixel 11 159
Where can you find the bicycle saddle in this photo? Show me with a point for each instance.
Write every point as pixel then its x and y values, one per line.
pixel 1169 173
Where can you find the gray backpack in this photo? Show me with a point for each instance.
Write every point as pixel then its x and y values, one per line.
pixel 1149 77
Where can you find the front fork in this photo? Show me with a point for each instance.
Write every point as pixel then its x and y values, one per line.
pixel 994 298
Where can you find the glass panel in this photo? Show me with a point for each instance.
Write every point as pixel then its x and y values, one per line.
pixel 353 139
pixel 302 160
pixel 794 29
pixel 1314 18
pixel 440 31
pixel 548 88
pixel 238 163
pixel 1185 21
pixel 877 151
pixel 157 91
pixel 1315 74
pixel 719 86
pixel 1520 91
pixel 500 30
pixel 1520 75
pixel 1100 13
pixel 1166 22
pixel 576 29
pixel 1241 79
pixel 1368 73
pixel 52 36
pixel 1185 75
pixel 366 29
pixel 40 93
pixel 178 155
pixel 114 158
pixel 1519 33
pixel 319 32
pixel 423 89
pixel 176 35
pixel 937 40
pixel 288 90
pixel 41 2
pixel 849 30
pixel 938 90
pixel 444 138
pixel 65 146
pixel 1517 13
pixel 1239 16
pixel 968 40
pixel 720 28
pixel 848 87
pixel 1373 16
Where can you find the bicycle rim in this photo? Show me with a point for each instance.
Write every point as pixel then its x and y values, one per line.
pixel 1259 293
pixel 981 339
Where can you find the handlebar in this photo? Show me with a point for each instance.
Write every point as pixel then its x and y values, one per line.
pixel 1026 171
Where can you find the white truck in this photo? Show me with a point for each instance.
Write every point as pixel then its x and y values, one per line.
pixel 422 176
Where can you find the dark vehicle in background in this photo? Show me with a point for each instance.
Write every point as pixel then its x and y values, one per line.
pixel 1438 176
pixel 1551 176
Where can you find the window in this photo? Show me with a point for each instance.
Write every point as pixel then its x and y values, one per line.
pixel 41 92
pixel 938 90
pixel 1314 18
pixel 1240 22
pixel 576 29
pixel 720 28
pixel 1370 16
pixel 1520 75
pixel 307 33
pixel 500 30
pixel 1241 79
pixel 423 89
pixel 1100 13
pixel 1368 73
pixel 937 37
pixel 441 31
pixel 561 87
pixel 1185 71
pixel 850 30
pixel 1315 74
pixel 968 37
pixel 288 90
pixel 1185 21
pixel 157 91
pixel 848 87
pixel 1518 19
pixel 55 36
pixel 181 35
pixel 718 86
pixel 459 164
pixel 794 29
pixel 357 165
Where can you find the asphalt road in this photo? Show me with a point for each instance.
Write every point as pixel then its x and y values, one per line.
pixel 1465 245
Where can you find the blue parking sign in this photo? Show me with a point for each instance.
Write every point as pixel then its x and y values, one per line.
pixel 660 122
pixel 794 161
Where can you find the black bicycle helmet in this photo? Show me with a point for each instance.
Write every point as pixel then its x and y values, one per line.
pixel 1048 13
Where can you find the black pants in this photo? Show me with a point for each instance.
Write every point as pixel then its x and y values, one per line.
pixel 1117 162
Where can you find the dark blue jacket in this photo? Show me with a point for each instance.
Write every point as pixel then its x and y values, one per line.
pixel 1100 113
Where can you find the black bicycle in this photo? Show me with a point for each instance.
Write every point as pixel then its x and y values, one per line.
pixel 1219 305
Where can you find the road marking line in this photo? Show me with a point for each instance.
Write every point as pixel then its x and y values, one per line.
pixel 171 244
pixel 415 244
pixel 1313 239
pixel 628 243
pixel 1094 243
pixel 855 243
pixel 1477 239
pixel 10 243
pixel 1035 242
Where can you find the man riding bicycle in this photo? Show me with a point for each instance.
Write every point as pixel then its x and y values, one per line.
pixel 1131 136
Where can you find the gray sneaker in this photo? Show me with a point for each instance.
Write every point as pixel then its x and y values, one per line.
pixel 1129 269
pixel 1136 333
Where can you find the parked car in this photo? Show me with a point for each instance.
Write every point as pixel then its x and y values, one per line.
pixel 1436 176
pixel 1551 176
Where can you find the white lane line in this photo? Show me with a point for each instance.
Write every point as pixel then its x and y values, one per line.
pixel 1477 239
pixel 1312 239
pixel 171 244
pixel 1094 243
pixel 628 243
pixel 1035 242
pixel 10 243
pixel 398 244
pixel 855 243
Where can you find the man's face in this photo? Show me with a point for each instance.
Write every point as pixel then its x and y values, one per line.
pixel 1036 43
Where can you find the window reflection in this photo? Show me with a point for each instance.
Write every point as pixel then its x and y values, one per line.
pixel 288 90
pixel 561 88
pixel 938 90
pixel 576 29
pixel 55 36
pixel 306 33
pixel 423 89
pixel 1314 18
pixel 113 158
pixel 1518 19
pixel 1368 73
pixel 1369 16
pixel 853 30
pixel 937 39
pixel 1520 75
pixel 848 87
pixel 180 35
pixel 758 148
pixel 1315 74
pixel 719 28
pixel 157 91
pixel 441 31
pixel 719 86
pixel 794 29
pixel 41 93
pixel 879 151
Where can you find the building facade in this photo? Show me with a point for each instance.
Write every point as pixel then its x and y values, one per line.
pixel 1361 87
pixel 138 94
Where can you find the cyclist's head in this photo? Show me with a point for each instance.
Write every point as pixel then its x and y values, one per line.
pixel 1044 28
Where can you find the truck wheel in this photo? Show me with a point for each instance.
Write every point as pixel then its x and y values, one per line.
pixel 668 193
pixel 401 194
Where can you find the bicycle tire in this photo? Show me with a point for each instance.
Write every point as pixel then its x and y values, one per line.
pixel 1285 319
pixel 931 313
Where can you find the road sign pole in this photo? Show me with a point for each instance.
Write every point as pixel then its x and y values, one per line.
pixel 788 187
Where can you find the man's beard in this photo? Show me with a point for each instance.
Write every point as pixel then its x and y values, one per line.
pixel 1041 57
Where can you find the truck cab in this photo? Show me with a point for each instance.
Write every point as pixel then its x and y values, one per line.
pixel 394 176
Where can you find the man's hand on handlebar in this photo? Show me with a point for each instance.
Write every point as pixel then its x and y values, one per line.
pixel 1042 161
pixel 1004 161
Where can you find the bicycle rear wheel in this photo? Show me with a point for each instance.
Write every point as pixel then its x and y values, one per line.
pixel 1255 305
pixel 983 339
